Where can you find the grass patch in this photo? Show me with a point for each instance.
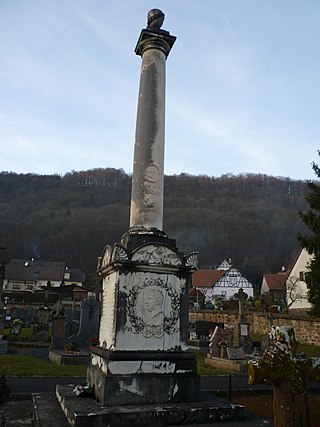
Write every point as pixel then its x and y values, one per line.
pixel 309 350
pixel 17 365
pixel 23 366
pixel 202 369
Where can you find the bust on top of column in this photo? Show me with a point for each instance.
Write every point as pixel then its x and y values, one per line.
pixel 154 45
pixel 153 36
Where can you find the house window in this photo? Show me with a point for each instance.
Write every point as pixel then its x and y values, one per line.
pixel 16 287
pixel 233 280
pixel 224 293
pixel 301 276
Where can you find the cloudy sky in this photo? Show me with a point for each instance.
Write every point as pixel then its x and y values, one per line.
pixel 243 85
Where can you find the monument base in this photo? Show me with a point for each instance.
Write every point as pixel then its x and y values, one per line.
pixel 130 378
pixel 86 412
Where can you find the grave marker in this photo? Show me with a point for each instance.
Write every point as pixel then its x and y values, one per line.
pixel 220 340
pixel 144 324
pixel 89 320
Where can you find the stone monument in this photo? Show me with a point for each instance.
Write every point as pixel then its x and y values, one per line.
pixel 144 323
pixel 142 372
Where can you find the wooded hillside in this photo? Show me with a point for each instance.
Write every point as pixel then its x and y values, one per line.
pixel 252 219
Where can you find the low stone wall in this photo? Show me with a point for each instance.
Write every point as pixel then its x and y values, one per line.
pixel 307 331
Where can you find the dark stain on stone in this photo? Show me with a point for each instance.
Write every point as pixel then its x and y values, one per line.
pixel 122 310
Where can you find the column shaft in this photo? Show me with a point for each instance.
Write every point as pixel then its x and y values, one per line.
pixel 147 180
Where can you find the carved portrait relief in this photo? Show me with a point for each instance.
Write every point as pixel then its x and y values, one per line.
pixel 153 308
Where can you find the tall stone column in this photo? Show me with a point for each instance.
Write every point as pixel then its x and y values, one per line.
pixel 153 46
pixel 143 337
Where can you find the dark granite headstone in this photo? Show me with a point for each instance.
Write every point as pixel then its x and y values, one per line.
pixel 235 353
pixel 43 316
pixel 89 320
pixel 71 328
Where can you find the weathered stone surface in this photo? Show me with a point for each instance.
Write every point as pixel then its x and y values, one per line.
pixel 145 303
pixel 146 211
pixel 85 412
pixel 47 412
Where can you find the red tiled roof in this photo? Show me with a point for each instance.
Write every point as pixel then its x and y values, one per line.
pixel 206 278
pixel 276 281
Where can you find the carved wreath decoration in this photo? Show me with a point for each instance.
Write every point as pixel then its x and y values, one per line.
pixel 138 324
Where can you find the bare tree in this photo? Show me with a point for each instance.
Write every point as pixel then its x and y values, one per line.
pixel 294 291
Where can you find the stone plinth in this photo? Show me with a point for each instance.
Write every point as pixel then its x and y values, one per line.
pixel 143 377
pixel 86 412
pixel 144 326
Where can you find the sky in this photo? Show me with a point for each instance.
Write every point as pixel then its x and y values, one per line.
pixel 242 89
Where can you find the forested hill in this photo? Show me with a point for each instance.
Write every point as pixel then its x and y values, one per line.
pixel 252 219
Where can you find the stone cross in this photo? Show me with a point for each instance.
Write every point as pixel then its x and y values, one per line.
pixel 288 373
pixel 241 299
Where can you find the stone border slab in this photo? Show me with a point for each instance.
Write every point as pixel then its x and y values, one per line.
pixel 86 412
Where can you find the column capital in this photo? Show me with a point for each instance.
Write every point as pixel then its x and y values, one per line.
pixel 154 38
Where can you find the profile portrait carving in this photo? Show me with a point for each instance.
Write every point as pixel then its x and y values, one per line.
pixel 153 308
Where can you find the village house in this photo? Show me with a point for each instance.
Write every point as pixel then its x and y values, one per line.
pixel 223 282
pixel 296 286
pixel 22 275
pixel 275 285
pixel 289 287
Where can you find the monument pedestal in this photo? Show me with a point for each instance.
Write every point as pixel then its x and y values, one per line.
pixel 144 377
pixel 143 357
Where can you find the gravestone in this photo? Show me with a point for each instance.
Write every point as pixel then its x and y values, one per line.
pixel 89 320
pixel 242 327
pixel 280 366
pixel 71 329
pixel 235 353
pixel 203 328
pixel 58 332
pixel 220 340
pixel 44 316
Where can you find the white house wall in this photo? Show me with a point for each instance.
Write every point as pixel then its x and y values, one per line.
pixel 228 285
pixel 264 287
pixel 300 266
